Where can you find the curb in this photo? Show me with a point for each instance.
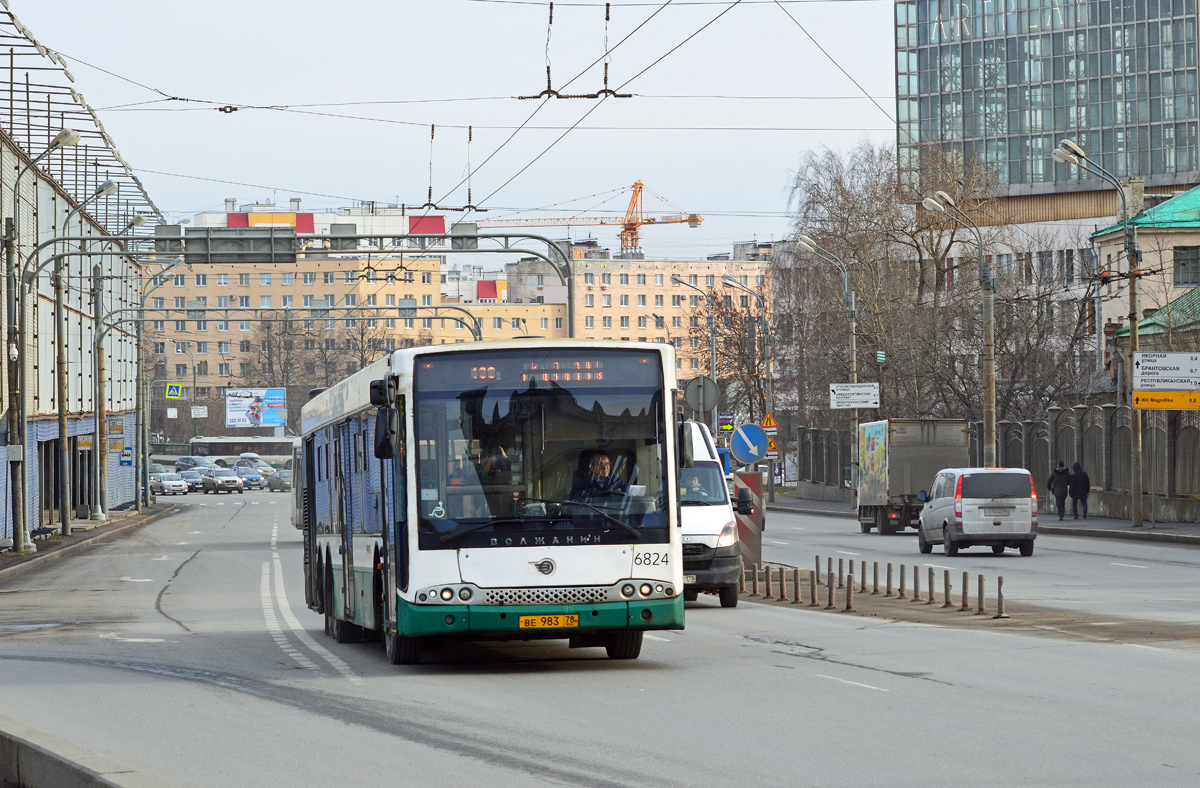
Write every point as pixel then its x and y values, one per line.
pixel 1094 533
pixel 38 558
pixel 33 759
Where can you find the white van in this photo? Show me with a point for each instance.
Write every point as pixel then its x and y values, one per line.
pixel 979 506
pixel 712 554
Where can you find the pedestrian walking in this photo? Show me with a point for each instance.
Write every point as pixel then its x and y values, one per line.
pixel 1079 487
pixel 1059 485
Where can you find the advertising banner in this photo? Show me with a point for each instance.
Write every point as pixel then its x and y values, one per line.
pixel 255 408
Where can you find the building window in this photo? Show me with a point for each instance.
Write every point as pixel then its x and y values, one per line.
pixel 589 322
pixel 180 370
pixel 222 302
pixel 160 348
pixel 244 369
pixel 264 302
pixel 642 321
pixel 695 363
pixel 641 300
pixel 351 299
pixel 158 303
pixel 624 279
pixel 223 347
pixel 606 300
pixel 223 370
pixel 588 300
pixel 589 279
pixel 677 300
pixel 693 279
pixel 426 300
pixel 497 322
pixel 641 279
pixel 327 277
pixel 545 323
pixel 677 322
pixel 222 325
pixel 180 280
pixel 606 279
pixel 180 302
pixel 160 325
pixel 287 302
pixel 624 321
pixel 202 368
pixel 710 280
pixel 624 300
pixel 243 325
pixel 264 279
pixel 244 302
pixel 658 300
pixel 658 280
pixel 516 323
pixel 558 324
pixel 243 280
pixel 426 277
pixel 1187 265
pixel 608 322
pixel 201 280
pixel 348 277
pixel 201 347
pixel 695 343
pixel 310 278
pixel 287 278
pixel 244 346
pixel 181 325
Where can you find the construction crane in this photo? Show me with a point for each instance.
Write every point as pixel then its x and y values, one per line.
pixel 631 222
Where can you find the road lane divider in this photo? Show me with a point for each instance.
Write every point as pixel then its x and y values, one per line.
pixel 273 627
pixel 301 633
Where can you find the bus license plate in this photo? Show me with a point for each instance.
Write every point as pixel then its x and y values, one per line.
pixel 689 579
pixel 548 622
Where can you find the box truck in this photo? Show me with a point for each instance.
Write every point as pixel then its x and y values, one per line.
pixel 898 458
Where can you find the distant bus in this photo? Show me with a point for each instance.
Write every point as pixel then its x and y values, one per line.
pixel 445 492
pixel 226 449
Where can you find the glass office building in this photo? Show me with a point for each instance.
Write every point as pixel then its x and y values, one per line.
pixel 1006 79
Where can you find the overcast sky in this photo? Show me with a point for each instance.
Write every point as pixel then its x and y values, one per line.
pixel 337 99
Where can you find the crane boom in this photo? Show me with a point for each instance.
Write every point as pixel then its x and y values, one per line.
pixel 631 222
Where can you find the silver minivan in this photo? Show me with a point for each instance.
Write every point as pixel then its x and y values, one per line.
pixel 979 506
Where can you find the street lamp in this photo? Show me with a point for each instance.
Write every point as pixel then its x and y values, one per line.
pixel 729 281
pixel 812 247
pixel 712 342
pixel 987 282
pixel 60 348
pixel 1068 152
pixel 12 234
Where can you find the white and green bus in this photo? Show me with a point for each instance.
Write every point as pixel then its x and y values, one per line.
pixel 495 490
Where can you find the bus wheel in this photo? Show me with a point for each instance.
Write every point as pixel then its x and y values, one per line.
pixel 319 591
pixel 345 632
pixel 401 650
pixel 623 645
pixel 328 589
pixel 373 635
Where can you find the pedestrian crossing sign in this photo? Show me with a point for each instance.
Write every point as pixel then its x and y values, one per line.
pixel 173 391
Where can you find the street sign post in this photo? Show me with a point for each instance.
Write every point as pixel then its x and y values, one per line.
pixel 1166 381
pixel 725 418
pixel 769 426
pixel 772 449
pixel 749 444
pixel 846 396
pixel 701 394
pixel 199 411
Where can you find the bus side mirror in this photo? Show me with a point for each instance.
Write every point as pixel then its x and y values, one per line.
pixel 379 393
pixel 686 453
pixel 745 501
pixel 385 437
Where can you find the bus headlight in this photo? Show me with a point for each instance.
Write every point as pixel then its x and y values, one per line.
pixel 627 590
pixel 646 589
pixel 728 537
pixel 447 594
pixel 464 594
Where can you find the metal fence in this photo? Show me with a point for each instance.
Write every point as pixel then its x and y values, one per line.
pixel 1097 437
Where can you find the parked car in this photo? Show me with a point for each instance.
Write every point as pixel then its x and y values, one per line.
pixel 170 484
pixel 258 465
pixel 156 468
pixel 194 480
pixel 250 477
pixel 217 480
pixel 979 506
pixel 155 479
pixel 281 481
pixel 193 463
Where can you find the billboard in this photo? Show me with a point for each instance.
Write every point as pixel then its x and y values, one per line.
pixel 255 408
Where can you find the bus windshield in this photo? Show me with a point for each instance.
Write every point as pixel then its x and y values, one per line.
pixel 540 446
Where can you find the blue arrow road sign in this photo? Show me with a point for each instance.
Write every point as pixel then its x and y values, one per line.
pixel 749 443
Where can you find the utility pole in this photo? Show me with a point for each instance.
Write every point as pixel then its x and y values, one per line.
pixel 101 449
pixel 16 451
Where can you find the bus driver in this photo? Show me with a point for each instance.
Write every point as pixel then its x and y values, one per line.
pixel 598 479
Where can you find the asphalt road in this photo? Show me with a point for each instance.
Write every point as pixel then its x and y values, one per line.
pixel 1140 580
pixel 185 652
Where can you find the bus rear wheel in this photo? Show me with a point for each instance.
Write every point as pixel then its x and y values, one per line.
pixel 401 650
pixel 623 645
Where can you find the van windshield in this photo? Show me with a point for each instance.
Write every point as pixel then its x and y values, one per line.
pixel 702 485
pixel 996 485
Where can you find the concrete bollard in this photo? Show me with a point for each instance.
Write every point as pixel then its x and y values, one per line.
pixel 889 579
pixel 982 607
pixel 829 567
pixel 783 597
pixel 862 568
pixel 903 575
pixel 946 590
pixel 742 580
pixel 829 605
pixel 796 584
pixel 849 591
pixel 841 573
pixel 875 572
pixel 966 603
pixel 812 590
pixel 754 582
pixel 1000 598
pixel 767 591
pixel 817 573
pixel 932 588
pixel 916 584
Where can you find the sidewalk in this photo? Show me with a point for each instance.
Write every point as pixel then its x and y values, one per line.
pixel 86 533
pixel 1048 522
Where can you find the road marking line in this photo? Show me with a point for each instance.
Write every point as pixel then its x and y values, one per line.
pixel 1131 566
pixel 273 623
pixel 128 579
pixel 286 611
pixel 648 636
pixel 115 636
pixel 852 683
pixel 164 558
pixel 938 566
pixel 847 552
pixel 776 541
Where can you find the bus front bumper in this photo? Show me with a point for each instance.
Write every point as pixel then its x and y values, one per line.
pixel 504 621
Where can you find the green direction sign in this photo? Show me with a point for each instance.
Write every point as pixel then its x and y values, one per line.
pixel 174 391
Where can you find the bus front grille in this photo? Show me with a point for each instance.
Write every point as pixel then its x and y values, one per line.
pixel 545 596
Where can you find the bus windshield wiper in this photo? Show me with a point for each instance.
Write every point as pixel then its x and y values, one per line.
pixel 626 526
pixel 466 529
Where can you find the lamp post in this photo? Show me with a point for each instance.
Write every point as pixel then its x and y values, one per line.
pixel 187 347
pixel 60 348
pixel 811 246
pixel 16 451
pixel 712 343
pixel 1068 152
pixel 729 281
pixel 939 203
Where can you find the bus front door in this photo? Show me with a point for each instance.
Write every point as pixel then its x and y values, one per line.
pixel 343 481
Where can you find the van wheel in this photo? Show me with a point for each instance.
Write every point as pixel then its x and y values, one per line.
pixel 1026 549
pixel 922 545
pixel 623 645
pixel 690 595
pixel 998 549
pixel 948 547
pixel 729 596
